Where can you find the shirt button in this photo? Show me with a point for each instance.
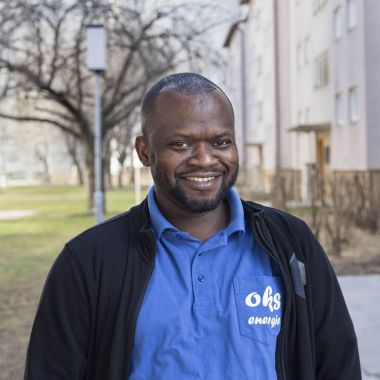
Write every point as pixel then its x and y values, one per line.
pixel 201 278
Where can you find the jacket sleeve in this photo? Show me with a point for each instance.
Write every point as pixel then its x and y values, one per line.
pixel 58 342
pixel 336 350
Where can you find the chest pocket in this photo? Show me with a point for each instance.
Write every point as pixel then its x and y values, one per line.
pixel 259 303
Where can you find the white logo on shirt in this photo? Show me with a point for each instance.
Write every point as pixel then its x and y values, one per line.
pixel 273 302
pixel 271 321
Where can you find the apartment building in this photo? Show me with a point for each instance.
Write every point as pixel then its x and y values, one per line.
pixel 355 57
pixel 251 85
pixel 312 86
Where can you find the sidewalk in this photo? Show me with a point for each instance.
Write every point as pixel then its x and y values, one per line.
pixel 362 294
pixel 15 214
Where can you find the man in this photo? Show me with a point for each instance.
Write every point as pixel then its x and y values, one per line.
pixel 194 283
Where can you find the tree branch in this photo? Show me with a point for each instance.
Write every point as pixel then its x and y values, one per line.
pixel 31 119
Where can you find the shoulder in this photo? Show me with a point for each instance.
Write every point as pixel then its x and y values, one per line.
pixel 114 233
pixel 275 218
pixel 287 232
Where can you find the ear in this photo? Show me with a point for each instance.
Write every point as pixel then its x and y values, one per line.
pixel 142 150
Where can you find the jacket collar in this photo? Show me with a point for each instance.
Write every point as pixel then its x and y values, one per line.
pixel 146 243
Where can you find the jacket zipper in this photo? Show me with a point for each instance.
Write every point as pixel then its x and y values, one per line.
pixel 268 248
pixel 139 304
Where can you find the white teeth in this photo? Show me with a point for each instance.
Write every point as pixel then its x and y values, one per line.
pixel 200 179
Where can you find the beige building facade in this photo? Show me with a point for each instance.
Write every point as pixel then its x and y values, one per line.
pixel 251 81
pixel 311 90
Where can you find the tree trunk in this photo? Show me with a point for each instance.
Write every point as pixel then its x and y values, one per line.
pixel 107 173
pixel 79 170
pixel 43 157
pixel 121 160
pixel 71 144
pixel 120 178
pixel 45 164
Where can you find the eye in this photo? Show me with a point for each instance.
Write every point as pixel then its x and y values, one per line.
pixel 180 144
pixel 222 143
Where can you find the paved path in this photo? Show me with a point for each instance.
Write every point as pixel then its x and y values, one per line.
pixel 15 214
pixel 362 294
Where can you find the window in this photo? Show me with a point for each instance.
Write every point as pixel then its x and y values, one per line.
pixel 306 50
pixel 351 14
pixel 307 115
pixel 321 70
pixel 339 112
pixel 318 4
pixel 259 109
pixel 258 66
pixel 338 23
pixel 300 118
pixel 353 104
pixel 299 56
pixel 326 154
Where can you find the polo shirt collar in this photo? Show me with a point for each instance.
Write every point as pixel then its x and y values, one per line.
pixel 159 223
pixel 237 221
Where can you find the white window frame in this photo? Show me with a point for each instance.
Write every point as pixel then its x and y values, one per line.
pixel 322 70
pixel 339 109
pixel 338 23
pixel 352 14
pixel 353 104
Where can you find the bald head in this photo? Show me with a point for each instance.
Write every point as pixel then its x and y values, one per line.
pixel 186 84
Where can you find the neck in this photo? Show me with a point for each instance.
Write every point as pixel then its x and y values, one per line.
pixel 199 225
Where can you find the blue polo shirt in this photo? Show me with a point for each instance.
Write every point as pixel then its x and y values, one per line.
pixel 212 309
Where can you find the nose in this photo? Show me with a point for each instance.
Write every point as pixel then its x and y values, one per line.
pixel 202 156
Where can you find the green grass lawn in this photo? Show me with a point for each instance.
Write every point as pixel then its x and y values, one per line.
pixel 28 247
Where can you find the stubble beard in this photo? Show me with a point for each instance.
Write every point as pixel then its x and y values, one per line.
pixel 195 204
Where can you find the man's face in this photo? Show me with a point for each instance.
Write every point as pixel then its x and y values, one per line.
pixel 191 150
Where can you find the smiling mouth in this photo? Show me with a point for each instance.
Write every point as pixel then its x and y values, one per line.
pixel 200 179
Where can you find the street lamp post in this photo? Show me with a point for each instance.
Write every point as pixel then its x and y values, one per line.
pixel 96 62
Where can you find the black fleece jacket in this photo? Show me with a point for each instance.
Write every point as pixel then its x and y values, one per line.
pixel 86 319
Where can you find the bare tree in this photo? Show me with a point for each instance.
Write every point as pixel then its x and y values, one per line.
pixel 72 145
pixel 122 138
pixel 340 202
pixel 43 156
pixel 330 211
pixel 43 53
